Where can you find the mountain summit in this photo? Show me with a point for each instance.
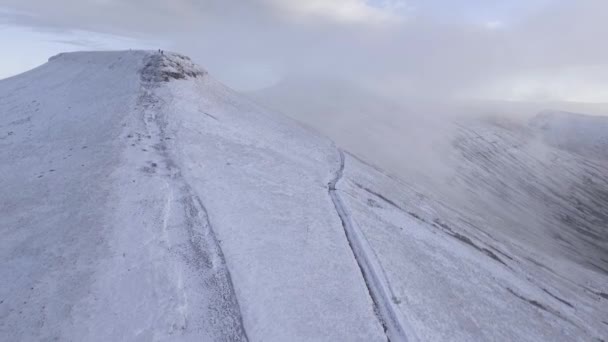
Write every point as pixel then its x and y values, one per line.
pixel 143 200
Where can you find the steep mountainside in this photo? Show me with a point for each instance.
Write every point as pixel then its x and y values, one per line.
pixel 577 133
pixel 545 197
pixel 538 181
pixel 142 200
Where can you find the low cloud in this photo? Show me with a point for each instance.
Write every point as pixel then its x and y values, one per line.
pixel 396 47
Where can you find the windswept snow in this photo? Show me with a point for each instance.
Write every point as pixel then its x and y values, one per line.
pixel 142 200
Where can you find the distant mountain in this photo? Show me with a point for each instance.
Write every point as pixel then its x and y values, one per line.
pixel 142 200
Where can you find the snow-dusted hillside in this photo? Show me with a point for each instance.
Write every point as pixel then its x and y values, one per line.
pixel 581 134
pixel 545 197
pixel 142 200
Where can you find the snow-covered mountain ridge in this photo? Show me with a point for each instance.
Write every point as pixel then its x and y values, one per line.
pixel 143 200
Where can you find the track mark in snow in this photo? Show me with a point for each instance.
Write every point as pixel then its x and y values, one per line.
pixel 373 274
pixel 200 250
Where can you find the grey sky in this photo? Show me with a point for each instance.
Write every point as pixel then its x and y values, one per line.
pixel 535 49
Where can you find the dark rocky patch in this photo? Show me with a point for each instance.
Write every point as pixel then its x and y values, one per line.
pixel 416 216
pixel 372 203
pixel 558 298
pixel 530 301
pixel 446 229
pixel 379 196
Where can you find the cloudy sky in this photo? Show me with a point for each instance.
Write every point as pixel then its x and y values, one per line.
pixel 516 49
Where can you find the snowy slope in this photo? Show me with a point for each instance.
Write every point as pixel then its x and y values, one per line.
pixel 263 180
pixel 538 188
pixel 362 121
pixel 578 133
pixel 142 200
pixel 546 197
pixel 539 181
pixel 453 277
pixel 138 209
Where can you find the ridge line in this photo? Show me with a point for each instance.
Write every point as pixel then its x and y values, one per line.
pixel 207 256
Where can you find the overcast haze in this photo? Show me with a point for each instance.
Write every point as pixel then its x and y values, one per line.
pixel 515 50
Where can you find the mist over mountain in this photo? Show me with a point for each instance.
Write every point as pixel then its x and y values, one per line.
pixel 535 174
pixel 141 199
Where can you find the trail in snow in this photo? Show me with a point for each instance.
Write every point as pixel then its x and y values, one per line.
pixel 375 280
pixel 203 252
